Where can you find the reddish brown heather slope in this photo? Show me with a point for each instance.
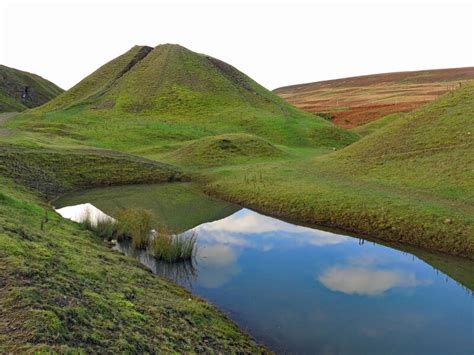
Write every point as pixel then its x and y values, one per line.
pixel 358 100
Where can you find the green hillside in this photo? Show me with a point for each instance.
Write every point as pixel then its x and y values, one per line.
pixel 151 101
pixel 226 149
pixel 20 90
pixel 411 181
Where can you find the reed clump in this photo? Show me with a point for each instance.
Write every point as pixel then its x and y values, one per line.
pixel 173 247
pixel 135 223
pixel 105 228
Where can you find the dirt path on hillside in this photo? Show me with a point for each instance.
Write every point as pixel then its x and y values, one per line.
pixel 3 118
pixel 6 116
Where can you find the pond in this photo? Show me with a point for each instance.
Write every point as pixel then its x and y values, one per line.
pixel 308 291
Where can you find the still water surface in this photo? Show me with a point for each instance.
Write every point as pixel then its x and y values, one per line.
pixel 306 291
pixel 302 290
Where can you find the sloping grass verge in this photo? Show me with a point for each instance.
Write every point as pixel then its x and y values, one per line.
pixel 63 290
pixel 53 171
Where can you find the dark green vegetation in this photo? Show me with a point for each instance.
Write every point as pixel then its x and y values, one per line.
pixel 412 181
pixel 62 289
pixel 134 223
pixel 20 90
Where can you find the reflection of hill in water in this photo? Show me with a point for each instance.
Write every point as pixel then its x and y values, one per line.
pixel 178 205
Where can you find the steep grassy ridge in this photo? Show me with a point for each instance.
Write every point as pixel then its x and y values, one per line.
pixel 62 290
pixel 20 90
pixel 351 102
pixel 95 85
pixel 412 181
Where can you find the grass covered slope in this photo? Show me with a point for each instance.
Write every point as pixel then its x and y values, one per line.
pixel 20 90
pixel 52 171
pixel 411 181
pixel 63 290
pixel 357 100
pixel 95 85
pixel 152 101
pixel 225 149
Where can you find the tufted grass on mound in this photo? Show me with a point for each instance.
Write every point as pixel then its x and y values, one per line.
pixel 225 149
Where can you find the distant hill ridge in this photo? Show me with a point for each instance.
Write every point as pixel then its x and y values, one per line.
pixel 354 101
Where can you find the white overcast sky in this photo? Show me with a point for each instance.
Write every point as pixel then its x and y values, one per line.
pixel 275 42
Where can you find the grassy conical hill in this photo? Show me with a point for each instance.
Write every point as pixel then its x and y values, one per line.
pixel 20 90
pixel 152 97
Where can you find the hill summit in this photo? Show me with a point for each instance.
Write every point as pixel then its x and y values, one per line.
pixel 183 95
pixel 165 78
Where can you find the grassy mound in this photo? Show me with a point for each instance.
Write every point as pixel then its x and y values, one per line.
pixel 52 172
pixel 63 290
pixel 226 149
pixel 154 98
pixel 411 181
pixel 20 90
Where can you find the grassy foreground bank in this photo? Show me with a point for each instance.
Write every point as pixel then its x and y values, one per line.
pixel 64 290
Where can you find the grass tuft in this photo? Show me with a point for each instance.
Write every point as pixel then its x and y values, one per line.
pixel 173 247
pixel 135 223
pixel 105 228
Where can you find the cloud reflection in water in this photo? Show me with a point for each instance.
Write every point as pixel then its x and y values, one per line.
pixel 220 242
